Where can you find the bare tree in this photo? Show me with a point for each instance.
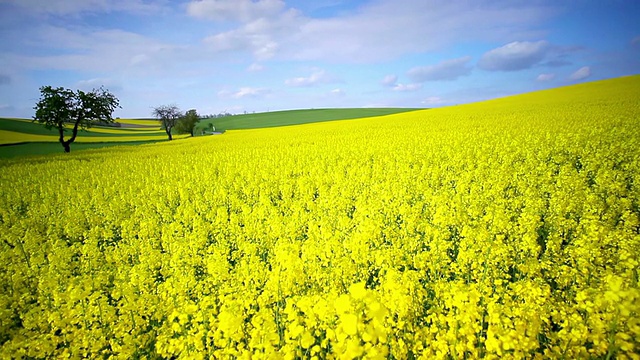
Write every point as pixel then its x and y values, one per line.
pixel 168 115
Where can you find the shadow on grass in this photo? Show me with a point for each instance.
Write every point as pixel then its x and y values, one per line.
pixel 42 148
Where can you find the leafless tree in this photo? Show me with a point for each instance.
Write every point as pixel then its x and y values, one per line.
pixel 168 115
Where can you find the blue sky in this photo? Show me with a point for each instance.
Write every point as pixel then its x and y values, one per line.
pixel 265 55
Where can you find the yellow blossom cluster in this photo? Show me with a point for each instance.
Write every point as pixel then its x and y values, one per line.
pixel 503 229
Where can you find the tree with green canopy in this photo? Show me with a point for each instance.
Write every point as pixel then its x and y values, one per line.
pixel 59 107
pixel 187 123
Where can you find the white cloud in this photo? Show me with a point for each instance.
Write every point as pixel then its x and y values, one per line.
pixel 560 56
pixel 99 51
pixel 557 62
pixel 234 10
pixel 433 100
pixel 317 77
pixel 546 77
pixel 444 70
pixel 260 45
pixel 90 84
pixel 389 80
pixel 255 67
pixel 376 31
pixel 517 55
pixel 73 7
pixel 260 37
pixel 407 87
pixel 582 73
pixel 243 92
pixel 337 92
pixel 385 29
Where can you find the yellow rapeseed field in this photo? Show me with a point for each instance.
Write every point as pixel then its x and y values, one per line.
pixel 12 137
pixel 502 229
pixel 125 131
pixel 144 124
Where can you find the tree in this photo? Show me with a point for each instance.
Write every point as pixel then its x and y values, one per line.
pixel 168 115
pixel 59 106
pixel 187 123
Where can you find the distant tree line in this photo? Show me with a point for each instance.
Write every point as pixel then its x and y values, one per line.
pixel 215 116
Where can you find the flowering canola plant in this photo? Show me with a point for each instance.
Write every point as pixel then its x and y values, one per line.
pixel 503 229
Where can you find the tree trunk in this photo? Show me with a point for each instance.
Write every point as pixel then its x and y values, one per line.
pixel 74 133
pixel 67 144
pixel 168 130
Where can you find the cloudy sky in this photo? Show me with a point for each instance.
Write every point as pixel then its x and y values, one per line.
pixel 265 55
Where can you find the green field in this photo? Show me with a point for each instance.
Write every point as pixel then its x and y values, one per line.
pixel 20 137
pixel 11 151
pixel 26 126
pixel 293 117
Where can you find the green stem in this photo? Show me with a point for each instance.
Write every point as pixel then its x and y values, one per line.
pixel 24 253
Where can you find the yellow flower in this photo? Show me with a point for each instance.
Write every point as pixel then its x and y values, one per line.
pixel 307 340
pixel 502 229
pixel 343 304
pixel 358 290
pixel 349 324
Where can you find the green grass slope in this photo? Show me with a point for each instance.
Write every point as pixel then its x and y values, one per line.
pixel 29 127
pixel 294 117
pixel 28 149
pixel 20 137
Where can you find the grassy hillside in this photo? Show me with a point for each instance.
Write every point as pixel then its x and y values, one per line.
pixel 294 117
pixel 33 128
pixel 24 137
pixel 47 148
